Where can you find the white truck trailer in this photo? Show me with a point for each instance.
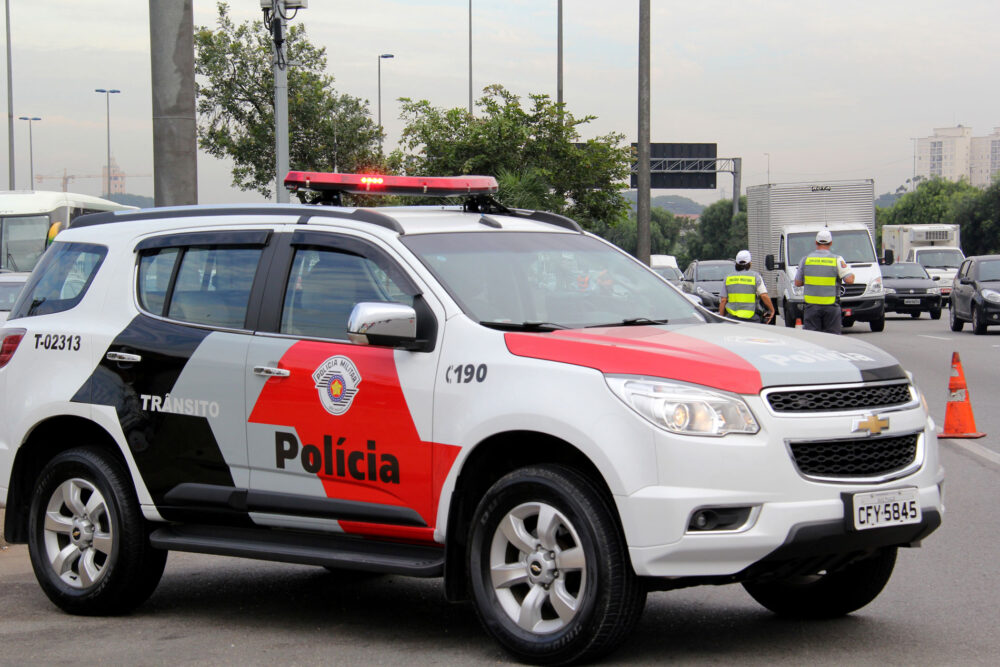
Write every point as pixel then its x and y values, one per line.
pixel 782 221
pixel 937 247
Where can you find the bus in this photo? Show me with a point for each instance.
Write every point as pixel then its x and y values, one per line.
pixel 30 219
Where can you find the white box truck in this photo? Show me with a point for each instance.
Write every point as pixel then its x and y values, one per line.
pixel 937 247
pixel 782 221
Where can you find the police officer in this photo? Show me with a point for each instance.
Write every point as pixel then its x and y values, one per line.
pixel 741 290
pixel 822 272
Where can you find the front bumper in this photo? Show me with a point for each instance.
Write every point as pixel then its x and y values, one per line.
pixel 863 310
pixel 898 303
pixel 758 474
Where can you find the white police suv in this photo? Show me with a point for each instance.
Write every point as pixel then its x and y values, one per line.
pixel 489 395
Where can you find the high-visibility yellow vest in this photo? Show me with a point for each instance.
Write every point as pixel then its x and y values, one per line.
pixel 820 278
pixel 741 294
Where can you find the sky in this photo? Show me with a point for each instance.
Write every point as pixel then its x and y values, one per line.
pixel 801 91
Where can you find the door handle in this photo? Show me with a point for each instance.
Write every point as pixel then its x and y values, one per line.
pixel 123 356
pixel 270 371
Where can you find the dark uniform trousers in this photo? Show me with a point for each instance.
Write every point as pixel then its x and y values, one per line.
pixel 822 318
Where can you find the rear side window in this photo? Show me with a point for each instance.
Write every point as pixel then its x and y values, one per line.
pixel 201 285
pixel 60 280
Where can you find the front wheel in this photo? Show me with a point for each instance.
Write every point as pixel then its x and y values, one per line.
pixel 549 569
pixel 827 594
pixel 878 325
pixel 915 314
pixel 978 321
pixel 87 540
pixel 935 313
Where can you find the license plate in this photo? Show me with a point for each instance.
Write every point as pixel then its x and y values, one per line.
pixel 911 302
pixel 886 508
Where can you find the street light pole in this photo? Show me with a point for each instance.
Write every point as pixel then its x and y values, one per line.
pixel 470 57
pixel 768 167
pixel 31 149
pixel 107 101
pixel 381 57
pixel 10 108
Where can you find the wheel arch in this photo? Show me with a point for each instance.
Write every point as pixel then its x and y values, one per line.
pixel 45 441
pixel 490 460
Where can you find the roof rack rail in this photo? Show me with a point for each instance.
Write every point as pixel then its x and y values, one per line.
pixel 359 214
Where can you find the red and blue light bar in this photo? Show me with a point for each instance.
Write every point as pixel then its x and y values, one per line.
pixel 431 186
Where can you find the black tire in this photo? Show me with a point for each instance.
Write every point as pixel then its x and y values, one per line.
pixel 877 325
pixel 978 321
pixel 847 322
pixel 935 313
pixel 954 320
pixel 113 568
pixel 595 600
pixel 788 314
pixel 827 595
pixel 915 314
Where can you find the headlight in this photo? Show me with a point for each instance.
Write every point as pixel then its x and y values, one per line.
pixel 930 290
pixel 685 409
pixel 702 291
pixel 889 290
pixel 991 295
pixel 874 287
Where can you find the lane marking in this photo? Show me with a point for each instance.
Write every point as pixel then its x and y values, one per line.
pixel 934 337
pixel 975 449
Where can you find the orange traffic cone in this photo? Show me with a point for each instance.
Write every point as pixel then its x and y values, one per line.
pixel 958 419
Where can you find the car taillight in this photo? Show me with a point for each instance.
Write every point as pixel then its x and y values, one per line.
pixel 11 339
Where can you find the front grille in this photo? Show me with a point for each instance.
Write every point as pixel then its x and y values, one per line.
pixel 853 290
pixel 918 290
pixel 866 397
pixel 865 457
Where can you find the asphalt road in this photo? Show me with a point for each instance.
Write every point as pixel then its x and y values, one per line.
pixel 941 607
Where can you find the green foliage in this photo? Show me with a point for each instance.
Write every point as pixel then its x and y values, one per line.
pixel 534 148
pixel 664 232
pixel 942 201
pixel 719 235
pixel 327 131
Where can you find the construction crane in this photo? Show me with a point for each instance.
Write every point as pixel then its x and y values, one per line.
pixel 67 177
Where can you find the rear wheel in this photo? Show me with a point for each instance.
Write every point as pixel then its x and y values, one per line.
pixel 827 594
pixel 550 573
pixel 954 320
pixel 87 539
pixel 978 321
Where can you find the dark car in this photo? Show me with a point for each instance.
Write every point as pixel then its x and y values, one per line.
pixel 975 294
pixel 909 289
pixel 704 279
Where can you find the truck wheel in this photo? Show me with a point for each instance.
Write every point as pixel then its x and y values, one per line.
pixel 915 314
pixel 826 594
pixel 877 325
pixel 935 313
pixel 549 570
pixel 788 314
pixel 954 320
pixel 847 322
pixel 978 323
pixel 87 539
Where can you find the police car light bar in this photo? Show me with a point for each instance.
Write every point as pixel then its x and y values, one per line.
pixel 432 186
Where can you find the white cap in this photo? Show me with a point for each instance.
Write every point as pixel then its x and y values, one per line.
pixel 824 236
pixel 743 257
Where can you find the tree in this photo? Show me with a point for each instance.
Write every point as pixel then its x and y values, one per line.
pixel 720 235
pixel 664 232
pixel 934 201
pixel 538 145
pixel 979 218
pixel 328 131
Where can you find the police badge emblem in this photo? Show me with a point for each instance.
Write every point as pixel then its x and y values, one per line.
pixel 337 381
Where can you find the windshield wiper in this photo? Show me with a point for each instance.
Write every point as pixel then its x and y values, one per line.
pixel 35 304
pixel 630 322
pixel 524 326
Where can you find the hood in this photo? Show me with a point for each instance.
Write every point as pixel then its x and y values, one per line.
pixel 741 358
pixel 910 283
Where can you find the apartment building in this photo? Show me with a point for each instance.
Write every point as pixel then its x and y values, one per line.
pixel 953 153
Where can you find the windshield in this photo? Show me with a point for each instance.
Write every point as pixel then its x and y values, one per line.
pixel 989 270
pixel 22 241
pixel 546 281
pixel 8 294
pixel 704 272
pixel 854 245
pixel 940 259
pixel 669 272
pixel 904 270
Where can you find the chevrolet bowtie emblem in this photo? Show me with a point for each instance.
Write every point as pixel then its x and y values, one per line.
pixel 872 423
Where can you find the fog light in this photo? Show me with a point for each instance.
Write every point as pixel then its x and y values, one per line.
pixel 718 518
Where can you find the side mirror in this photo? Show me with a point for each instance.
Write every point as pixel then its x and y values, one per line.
pixel 385 324
pixel 771 265
pixel 964 281
pixel 889 257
